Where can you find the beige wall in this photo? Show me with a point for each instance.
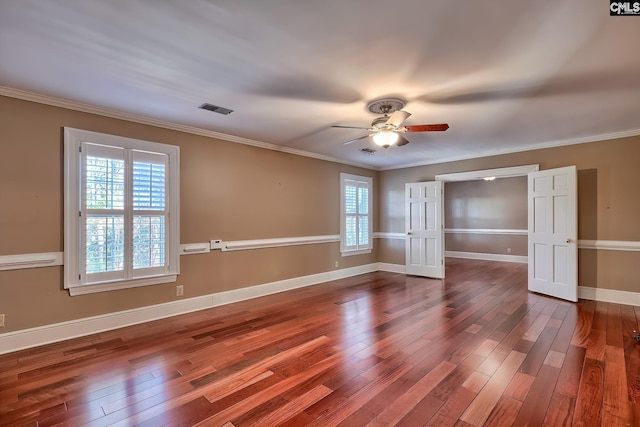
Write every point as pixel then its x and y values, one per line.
pixel 228 191
pixel 235 192
pixel 498 204
pixel 608 202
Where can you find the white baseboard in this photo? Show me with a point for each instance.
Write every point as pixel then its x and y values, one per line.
pixel 609 295
pixel 242 294
pixel 584 292
pixel 392 268
pixel 26 338
pixel 487 257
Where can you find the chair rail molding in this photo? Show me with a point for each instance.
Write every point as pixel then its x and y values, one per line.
pixel 238 245
pixel 35 260
pixel 610 245
pixel 52 259
pixel 388 235
pixel 195 248
pixel 493 231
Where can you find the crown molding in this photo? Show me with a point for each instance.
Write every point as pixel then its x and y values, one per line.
pixel 530 147
pixel 135 118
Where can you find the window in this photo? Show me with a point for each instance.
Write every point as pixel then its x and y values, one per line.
pixel 121 212
pixel 355 214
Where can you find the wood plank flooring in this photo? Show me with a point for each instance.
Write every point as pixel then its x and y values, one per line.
pixel 380 349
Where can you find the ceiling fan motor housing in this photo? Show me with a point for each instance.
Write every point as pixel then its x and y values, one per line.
pixel 379 122
pixel 386 105
pixel 387 129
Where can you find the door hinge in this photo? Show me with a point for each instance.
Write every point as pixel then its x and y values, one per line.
pixel 79 213
pixel 80 149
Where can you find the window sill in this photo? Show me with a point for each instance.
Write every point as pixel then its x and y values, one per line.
pixel 114 286
pixel 361 252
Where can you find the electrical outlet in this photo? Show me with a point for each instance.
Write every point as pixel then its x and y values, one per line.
pixel 508 250
pixel 179 290
pixel 1 320
pixel 336 264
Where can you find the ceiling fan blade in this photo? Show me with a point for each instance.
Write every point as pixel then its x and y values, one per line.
pixel 350 127
pixel 398 117
pixel 357 139
pixel 402 141
pixel 427 128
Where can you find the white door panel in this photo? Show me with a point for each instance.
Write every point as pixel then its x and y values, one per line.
pixel 553 230
pixel 424 227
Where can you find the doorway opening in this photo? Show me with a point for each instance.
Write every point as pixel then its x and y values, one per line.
pixel 551 225
pixel 486 214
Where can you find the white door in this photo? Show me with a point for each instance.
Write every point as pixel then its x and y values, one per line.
pixel 425 230
pixel 553 232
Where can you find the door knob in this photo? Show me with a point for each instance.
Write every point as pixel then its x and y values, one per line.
pixel 569 240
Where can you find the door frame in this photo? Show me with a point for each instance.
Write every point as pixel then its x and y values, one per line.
pixel 482 174
pixel 506 172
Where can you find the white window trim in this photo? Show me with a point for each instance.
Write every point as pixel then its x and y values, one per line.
pixel 369 183
pixel 73 139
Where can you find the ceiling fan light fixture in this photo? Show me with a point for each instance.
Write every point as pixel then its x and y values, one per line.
pixel 385 138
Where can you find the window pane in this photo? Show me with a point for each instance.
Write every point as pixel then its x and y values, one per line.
pixel 148 241
pixel 363 200
pixel 350 199
pixel 148 185
pixel 105 183
pixel 363 231
pixel 105 243
pixel 350 231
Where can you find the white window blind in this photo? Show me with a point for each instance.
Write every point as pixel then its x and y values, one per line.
pixel 121 230
pixel 356 224
pixel 150 211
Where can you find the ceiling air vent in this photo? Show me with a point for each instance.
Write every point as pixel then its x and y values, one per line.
pixel 367 150
pixel 216 109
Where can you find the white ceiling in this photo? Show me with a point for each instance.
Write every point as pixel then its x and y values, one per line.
pixel 506 75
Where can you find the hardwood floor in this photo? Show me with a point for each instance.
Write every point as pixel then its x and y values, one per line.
pixel 379 349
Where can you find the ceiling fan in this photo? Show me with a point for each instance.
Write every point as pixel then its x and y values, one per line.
pixel 387 130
